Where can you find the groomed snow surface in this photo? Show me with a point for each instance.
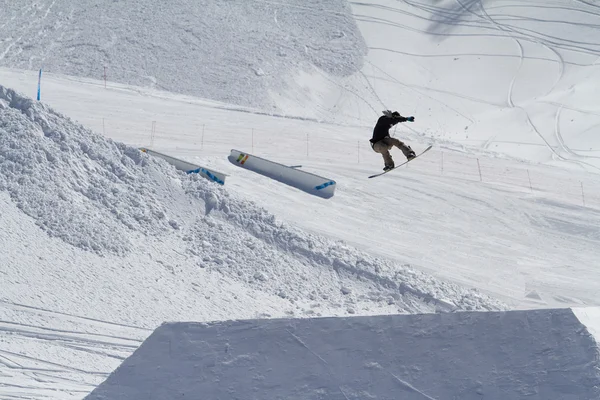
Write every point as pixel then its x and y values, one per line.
pixel 541 355
pixel 100 243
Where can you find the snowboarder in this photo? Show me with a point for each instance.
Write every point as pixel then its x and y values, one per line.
pixel 382 143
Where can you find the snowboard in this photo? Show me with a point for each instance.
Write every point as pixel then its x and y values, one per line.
pixel 406 162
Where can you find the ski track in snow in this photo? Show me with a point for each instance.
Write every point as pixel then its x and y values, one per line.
pixel 564 146
pixel 487 18
pixel 559 59
pixel 561 67
pixel 511 33
pixel 511 103
pixel 512 82
pixel 321 359
pixel 511 85
pixel 421 93
pixel 53 314
pixel 28 352
pixel 557 132
pixel 411 387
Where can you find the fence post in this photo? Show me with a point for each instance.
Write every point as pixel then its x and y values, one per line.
pixel 39 88
pixel 582 195
pixel 152 133
pixel 529 177
pixel 105 77
pixel 307 145
pixel 103 127
pixel 479 167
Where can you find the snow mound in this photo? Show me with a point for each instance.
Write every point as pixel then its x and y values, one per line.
pixel 90 192
pixel 235 52
pixel 545 355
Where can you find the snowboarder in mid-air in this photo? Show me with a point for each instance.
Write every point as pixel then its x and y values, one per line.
pixel 382 143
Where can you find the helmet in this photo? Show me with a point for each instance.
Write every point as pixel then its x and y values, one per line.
pixel 390 114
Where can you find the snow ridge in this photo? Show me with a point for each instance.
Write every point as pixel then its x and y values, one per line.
pixel 335 258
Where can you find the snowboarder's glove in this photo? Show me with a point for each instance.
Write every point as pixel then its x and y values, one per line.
pixel 410 119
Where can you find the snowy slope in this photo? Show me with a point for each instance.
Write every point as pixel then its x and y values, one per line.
pixel 513 77
pixel 101 240
pixel 240 52
pixel 542 355
pixel 529 248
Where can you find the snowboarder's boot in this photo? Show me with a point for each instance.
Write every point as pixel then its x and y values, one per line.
pixel 388 167
pixel 410 155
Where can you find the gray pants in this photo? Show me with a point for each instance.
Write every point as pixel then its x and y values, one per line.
pixel 384 146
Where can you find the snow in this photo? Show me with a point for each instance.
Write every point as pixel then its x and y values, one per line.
pixel 94 229
pixel 510 355
pixel 91 177
pixel 100 244
pixel 236 52
pixel 518 78
pixel 109 199
pixel 526 248
pixel 493 74
pixel 590 317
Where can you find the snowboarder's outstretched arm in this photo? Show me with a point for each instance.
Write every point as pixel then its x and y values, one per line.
pixel 395 117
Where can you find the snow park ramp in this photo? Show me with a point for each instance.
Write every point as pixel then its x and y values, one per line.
pixel 543 355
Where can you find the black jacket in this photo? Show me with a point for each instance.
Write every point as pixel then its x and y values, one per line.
pixel 382 128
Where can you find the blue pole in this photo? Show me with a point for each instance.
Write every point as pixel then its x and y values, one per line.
pixel 39 85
